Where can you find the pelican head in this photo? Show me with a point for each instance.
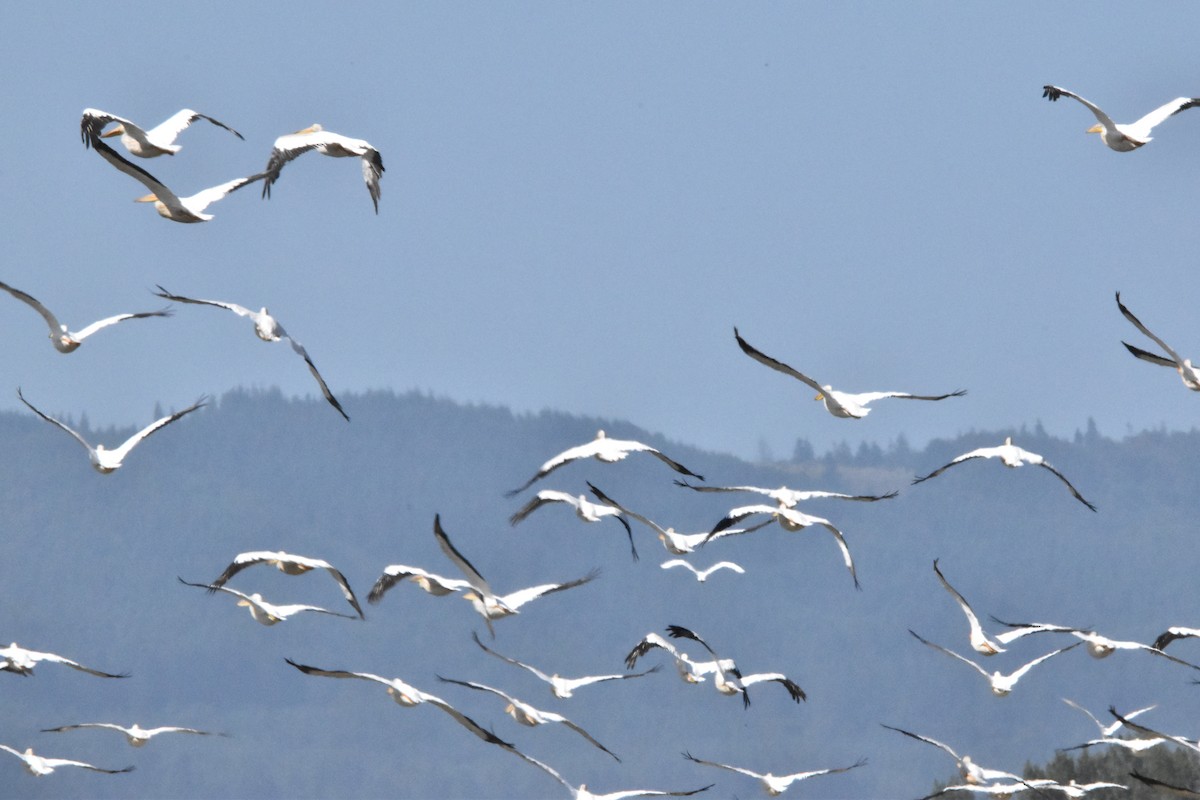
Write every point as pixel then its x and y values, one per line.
pixel 117 131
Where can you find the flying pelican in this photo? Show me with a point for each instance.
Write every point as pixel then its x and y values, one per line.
pixel 840 404
pixel 263 612
pixel 103 460
pixel 40 765
pixel 434 584
pixel 1124 138
pixel 166 202
pixel 702 575
pixel 775 785
pixel 602 449
pixel 1190 744
pixel 487 603
pixel 980 643
pixel 326 143
pixel 585 509
pixel 1108 732
pixel 789 498
pixel 791 520
pixel 562 688
pixel 158 141
pixel 288 564
pixel 1011 456
pixel 1187 372
pixel 267 328
pixel 971 772
pixel 527 714
pixel 1098 646
pixel 1154 783
pixel 689 671
pixel 1002 685
pixel 136 735
pixel 581 792
pixel 66 341
pixel 739 682
pixel 21 661
pixel 678 544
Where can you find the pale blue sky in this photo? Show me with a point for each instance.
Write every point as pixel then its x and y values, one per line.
pixel 582 200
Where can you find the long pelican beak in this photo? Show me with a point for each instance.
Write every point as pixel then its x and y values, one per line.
pixel 820 396
pixel 314 128
pixel 1097 128
pixel 149 198
pixel 117 131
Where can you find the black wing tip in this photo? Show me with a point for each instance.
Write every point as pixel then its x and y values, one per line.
pixel 1051 92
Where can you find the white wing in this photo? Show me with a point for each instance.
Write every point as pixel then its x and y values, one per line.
pixel 133 441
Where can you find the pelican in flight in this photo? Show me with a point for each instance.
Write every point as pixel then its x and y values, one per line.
pixel 1011 456
pixel 158 141
pixel 67 341
pixel 840 404
pixel 1108 732
pixel 326 143
pixel 168 204
pixel 18 660
pixel 561 687
pixel 104 460
pixel 1187 372
pixel 980 642
pixel 789 498
pixel 267 328
pixel 487 603
pixel 288 564
pixel 526 714
pixel 1124 138
pixel 736 682
pixel 702 574
pixel 689 671
pixel 775 785
pixel 1002 685
pixel 40 765
pixel 791 520
pixel 971 772
pixel 136 735
pixel 1098 646
pixel 263 612
pixel 584 509
pixel 434 584
pixel 679 544
pixel 581 792
pixel 1127 721
pixel 602 449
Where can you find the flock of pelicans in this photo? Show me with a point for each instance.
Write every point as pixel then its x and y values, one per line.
pixel 703 663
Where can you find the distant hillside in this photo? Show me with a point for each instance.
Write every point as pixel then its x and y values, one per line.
pixel 90 563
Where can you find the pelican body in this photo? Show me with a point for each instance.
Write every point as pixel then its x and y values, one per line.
pixel 157 141
pixel 1131 136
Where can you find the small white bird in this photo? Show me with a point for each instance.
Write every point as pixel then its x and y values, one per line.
pixel 702 575
pixel 840 404
pixel 527 715
pixel 267 328
pixel 1187 373
pixel 136 735
pixel 775 785
pixel 18 660
pixel 436 585
pixel 1002 685
pixel 326 143
pixel 584 509
pixel 602 449
pixel 1124 138
pixel 679 544
pixel 40 765
pixel 789 498
pixel 581 792
pixel 971 772
pixel 980 643
pixel 67 341
pixel 1011 456
pixel 157 141
pixel 288 564
pixel 263 612
pixel 561 687
pixel 103 460
pixel 791 520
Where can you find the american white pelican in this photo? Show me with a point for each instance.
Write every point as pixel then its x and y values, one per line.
pixel 790 498
pixel 1136 727
pixel 731 681
pixel 1124 138
pixel 840 404
pixel 1072 788
pixel 1170 788
pixel 775 785
pixel 689 671
pixel 1002 685
pixel 561 687
pixel 702 574
pixel 158 141
pixel 487 603
pixel 40 765
pixel 267 328
pixel 103 460
pixel 791 520
pixel 1098 646
pixel 1187 372
pixel 602 449
pixel 21 661
pixel 1011 456
pixel 980 643
pixel 168 204
pixel 1023 629
pixel 136 735
pixel 66 341
pixel 584 509
pixel 288 564
pixel 263 612
pixel 526 714
pixel 971 772
pixel 679 544
pixel 1108 732
pixel 326 143
pixel 581 792
pixel 434 584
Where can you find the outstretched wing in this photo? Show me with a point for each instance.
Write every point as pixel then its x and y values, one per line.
pixel 1053 93
pixel 299 348
pixel 169 129
pixel 132 441
pixel 779 366
pixel 1063 478
pixel 53 421
pixel 56 327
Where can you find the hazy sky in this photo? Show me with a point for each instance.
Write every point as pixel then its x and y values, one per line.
pixel 582 200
